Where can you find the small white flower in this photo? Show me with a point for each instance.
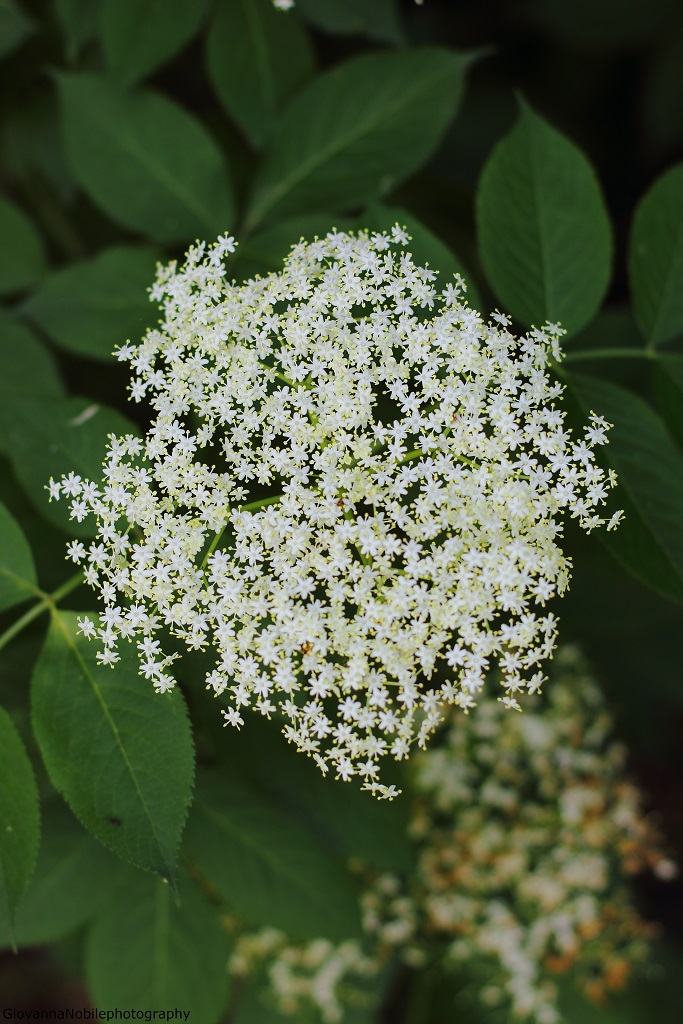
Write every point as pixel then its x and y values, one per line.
pixel 76 551
pixel 86 626
pixel 615 520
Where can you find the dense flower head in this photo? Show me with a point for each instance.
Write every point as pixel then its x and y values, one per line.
pixel 524 831
pixel 352 493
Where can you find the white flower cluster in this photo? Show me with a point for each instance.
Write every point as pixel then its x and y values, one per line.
pixel 524 829
pixel 354 503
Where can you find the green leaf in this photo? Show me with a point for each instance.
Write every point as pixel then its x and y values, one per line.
pixel 649 543
pixel 353 827
pixel 22 259
pixel 53 437
pixel 144 951
pixel 267 867
pixel 15 27
pixel 656 259
pixel 32 149
pixel 79 21
pixel 146 162
pixel 377 19
pixel 140 35
pixel 72 879
pixel 544 233
pixel 358 130
pixel 91 307
pixel 119 753
pixel 26 366
pixel 257 58
pixel 667 376
pixel 18 580
pixel 19 819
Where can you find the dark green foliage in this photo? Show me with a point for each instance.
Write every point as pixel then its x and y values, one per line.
pixel 22 260
pixel 104 737
pixel 267 866
pixel 128 130
pixel 19 821
pixel 139 35
pixel 17 571
pixel 90 308
pixel 656 259
pixel 544 234
pixel 257 58
pixel 650 468
pixel 145 951
pixel 150 165
pixel 357 131
pixel 72 880
pixel 47 437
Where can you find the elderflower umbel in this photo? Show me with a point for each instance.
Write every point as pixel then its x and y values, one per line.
pixel 352 493
pixel 524 829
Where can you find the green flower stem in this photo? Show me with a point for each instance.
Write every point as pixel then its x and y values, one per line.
pixel 252 506
pixel 607 353
pixel 48 602
pixel 281 376
pixel 418 453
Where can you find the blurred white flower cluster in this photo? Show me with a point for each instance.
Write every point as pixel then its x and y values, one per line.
pixel 352 493
pixel 524 831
